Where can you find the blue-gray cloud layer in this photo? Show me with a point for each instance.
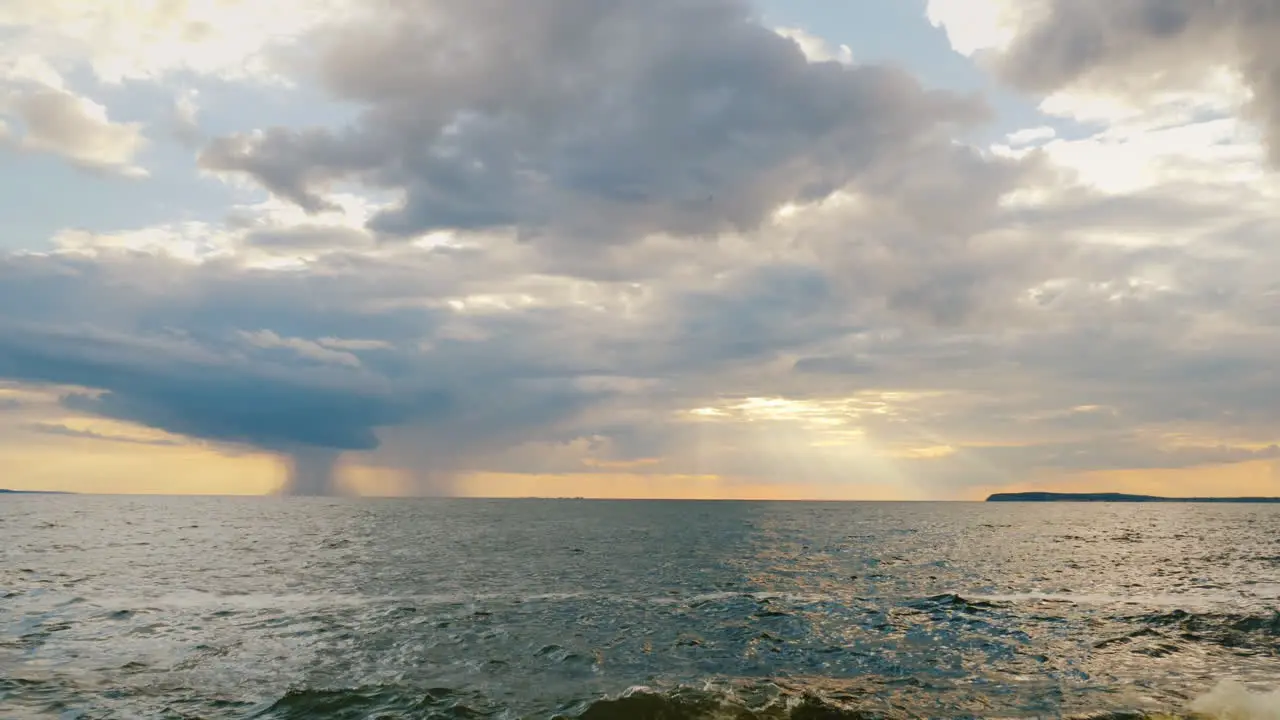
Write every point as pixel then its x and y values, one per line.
pixel 168 384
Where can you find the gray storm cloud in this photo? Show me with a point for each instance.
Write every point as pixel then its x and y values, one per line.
pixel 584 121
pixel 96 324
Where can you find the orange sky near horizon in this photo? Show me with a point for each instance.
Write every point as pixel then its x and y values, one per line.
pixel 95 455
pixel 91 465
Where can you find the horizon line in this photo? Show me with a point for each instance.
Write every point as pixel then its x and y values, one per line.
pixel 1065 497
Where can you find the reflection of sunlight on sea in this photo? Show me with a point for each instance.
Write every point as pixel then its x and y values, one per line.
pixel 221 608
pixel 1202 601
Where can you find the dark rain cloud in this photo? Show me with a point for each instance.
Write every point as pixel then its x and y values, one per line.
pixel 189 359
pixel 198 392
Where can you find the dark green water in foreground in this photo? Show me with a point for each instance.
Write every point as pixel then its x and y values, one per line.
pixel 114 607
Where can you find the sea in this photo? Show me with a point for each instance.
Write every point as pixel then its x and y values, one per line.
pixel 275 608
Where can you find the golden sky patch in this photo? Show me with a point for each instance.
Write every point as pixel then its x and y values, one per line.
pixel 621 464
pixel 623 486
pixel 1258 478
pixel 374 481
pixel 88 465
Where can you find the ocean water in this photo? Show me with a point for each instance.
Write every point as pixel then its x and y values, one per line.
pixel 117 607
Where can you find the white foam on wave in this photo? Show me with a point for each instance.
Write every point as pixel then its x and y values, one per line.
pixel 201 600
pixel 1205 601
pixel 735 594
pixel 250 601
pixel 1233 701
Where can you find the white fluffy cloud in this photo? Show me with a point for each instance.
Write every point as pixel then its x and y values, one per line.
pixel 974 26
pixel 145 39
pixel 76 128
pixel 51 118
pixel 126 41
pixel 817 49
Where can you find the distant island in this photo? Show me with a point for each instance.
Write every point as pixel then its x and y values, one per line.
pixel 32 492
pixel 1117 497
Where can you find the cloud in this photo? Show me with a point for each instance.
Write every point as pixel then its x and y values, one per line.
pixel 1138 51
pixel 174 354
pixel 590 122
pixel 350 344
pixel 303 348
pixel 185 122
pixel 185 389
pixel 1124 453
pixel 973 26
pixel 941 344
pixel 1030 136
pixel 48 428
pixel 834 365
pixel 145 40
pixel 815 48
pixel 263 234
pixel 58 121
pixel 308 414
pixel 930 360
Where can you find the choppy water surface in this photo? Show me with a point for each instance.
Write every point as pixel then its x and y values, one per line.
pixel 116 607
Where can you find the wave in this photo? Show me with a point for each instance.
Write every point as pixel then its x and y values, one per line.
pixel 952 601
pixel 1227 701
pixel 367 702
pixel 197 600
pixel 1103 599
pixel 1192 622
pixel 1252 634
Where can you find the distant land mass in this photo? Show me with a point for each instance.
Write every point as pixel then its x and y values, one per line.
pixel 32 492
pixel 1118 497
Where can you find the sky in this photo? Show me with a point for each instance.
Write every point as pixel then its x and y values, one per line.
pixel 795 249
